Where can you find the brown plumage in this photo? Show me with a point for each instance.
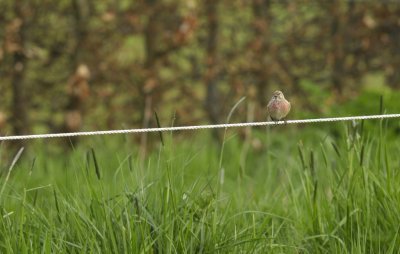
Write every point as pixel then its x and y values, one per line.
pixel 278 107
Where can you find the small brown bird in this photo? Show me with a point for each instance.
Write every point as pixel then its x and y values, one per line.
pixel 278 107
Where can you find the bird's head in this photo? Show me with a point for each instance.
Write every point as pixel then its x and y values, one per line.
pixel 278 95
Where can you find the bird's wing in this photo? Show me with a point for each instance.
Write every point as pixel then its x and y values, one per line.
pixel 269 106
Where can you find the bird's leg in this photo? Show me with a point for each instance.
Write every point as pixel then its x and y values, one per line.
pixel 272 119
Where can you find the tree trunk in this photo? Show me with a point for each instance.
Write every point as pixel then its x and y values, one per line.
pixel 78 86
pixel 150 79
pixel 260 46
pixel 341 38
pixel 212 102
pixel 19 102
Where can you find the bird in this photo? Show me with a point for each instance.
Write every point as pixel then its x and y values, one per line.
pixel 278 107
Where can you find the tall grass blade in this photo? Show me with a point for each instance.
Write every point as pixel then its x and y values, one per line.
pixel 14 161
pixel 228 119
pixel 301 155
pixel 335 147
pixel 312 165
pixel 226 129
pixel 87 162
pixel 96 165
pixel 362 155
pixel 130 166
pixel 159 126
pixel 57 206
pixel 32 166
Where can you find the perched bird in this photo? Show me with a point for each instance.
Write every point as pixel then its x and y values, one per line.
pixel 278 107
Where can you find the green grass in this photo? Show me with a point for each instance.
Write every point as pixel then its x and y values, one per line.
pixel 285 190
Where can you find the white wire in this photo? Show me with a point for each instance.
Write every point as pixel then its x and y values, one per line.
pixel 196 127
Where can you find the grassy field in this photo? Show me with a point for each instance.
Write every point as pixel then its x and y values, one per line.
pixel 321 189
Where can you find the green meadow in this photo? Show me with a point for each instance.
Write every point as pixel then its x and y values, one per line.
pixel 321 188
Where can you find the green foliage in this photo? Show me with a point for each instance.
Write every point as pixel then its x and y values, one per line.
pixel 300 191
pixel 179 58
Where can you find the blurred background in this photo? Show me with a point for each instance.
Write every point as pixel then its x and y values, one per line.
pixel 72 65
